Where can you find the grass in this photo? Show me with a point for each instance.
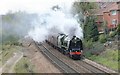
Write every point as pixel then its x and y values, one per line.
pixel 24 66
pixel 108 58
pixel 8 51
pixel 0 47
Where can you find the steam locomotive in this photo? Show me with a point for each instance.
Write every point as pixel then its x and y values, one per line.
pixel 71 47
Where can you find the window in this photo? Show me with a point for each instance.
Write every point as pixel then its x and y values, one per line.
pixel 114 21
pixel 113 12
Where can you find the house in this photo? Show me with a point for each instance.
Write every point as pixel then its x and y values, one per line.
pixel 108 15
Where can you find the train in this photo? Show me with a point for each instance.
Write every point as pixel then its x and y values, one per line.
pixel 72 47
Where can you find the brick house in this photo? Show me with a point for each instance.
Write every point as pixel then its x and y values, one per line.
pixel 108 14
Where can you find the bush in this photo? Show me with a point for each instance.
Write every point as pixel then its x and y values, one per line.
pixel 102 38
pixel 97 48
pixel 87 54
pixel 118 29
pixel 112 34
pixel 10 39
pixel 88 44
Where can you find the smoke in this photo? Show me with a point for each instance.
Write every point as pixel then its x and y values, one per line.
pixel 55 20
pixel 39 18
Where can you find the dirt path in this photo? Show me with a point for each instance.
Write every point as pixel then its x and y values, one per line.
pixel 41 63
pixel 9 65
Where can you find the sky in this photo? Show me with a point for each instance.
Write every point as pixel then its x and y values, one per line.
pixel 32 6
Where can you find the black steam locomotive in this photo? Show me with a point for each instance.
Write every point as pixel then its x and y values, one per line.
pixel 72 47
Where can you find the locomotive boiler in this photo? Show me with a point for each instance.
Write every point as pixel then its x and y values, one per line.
pixel 72 47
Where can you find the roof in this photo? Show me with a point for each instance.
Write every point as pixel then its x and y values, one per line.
pixel 98 12
pixel 106 7
pixel 114 6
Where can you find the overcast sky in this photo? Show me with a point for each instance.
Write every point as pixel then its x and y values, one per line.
pixel 33 6
pixel 28 5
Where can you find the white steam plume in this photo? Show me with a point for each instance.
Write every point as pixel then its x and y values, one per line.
pixel 55 21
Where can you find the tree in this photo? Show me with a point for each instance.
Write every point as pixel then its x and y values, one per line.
pixel 102 38
pixel 84 9
pixel 104 26
pixel 90 29
pixel 118 29
pixel 118 32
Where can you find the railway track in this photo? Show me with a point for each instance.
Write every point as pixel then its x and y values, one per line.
pixel 69 65
pixel 79 66
pixel 91 68
pixel 62 65
pixel 105 69
pixel 82 66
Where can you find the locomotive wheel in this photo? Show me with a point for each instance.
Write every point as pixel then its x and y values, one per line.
pixel 70 55
pixel 67 53
pixel 63 52
pixel 59 50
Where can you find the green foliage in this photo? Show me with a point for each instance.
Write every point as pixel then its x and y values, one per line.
pixel 24 66
pixel 93 48
pixel 88 44
pixel 119 55
pixel 97 48
pixel 102 38
pixel 109 58
pixel 113 54
pixel 15 25
pixel 104 61
pixel 87 54
pixel 118 29
pixel 7 52
pixel 112 34
pixel 104 26
pixel 16 18
pixel 10 39
pixel 84 7
pixel 90 29
pixel 118 33
pixel 8 18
